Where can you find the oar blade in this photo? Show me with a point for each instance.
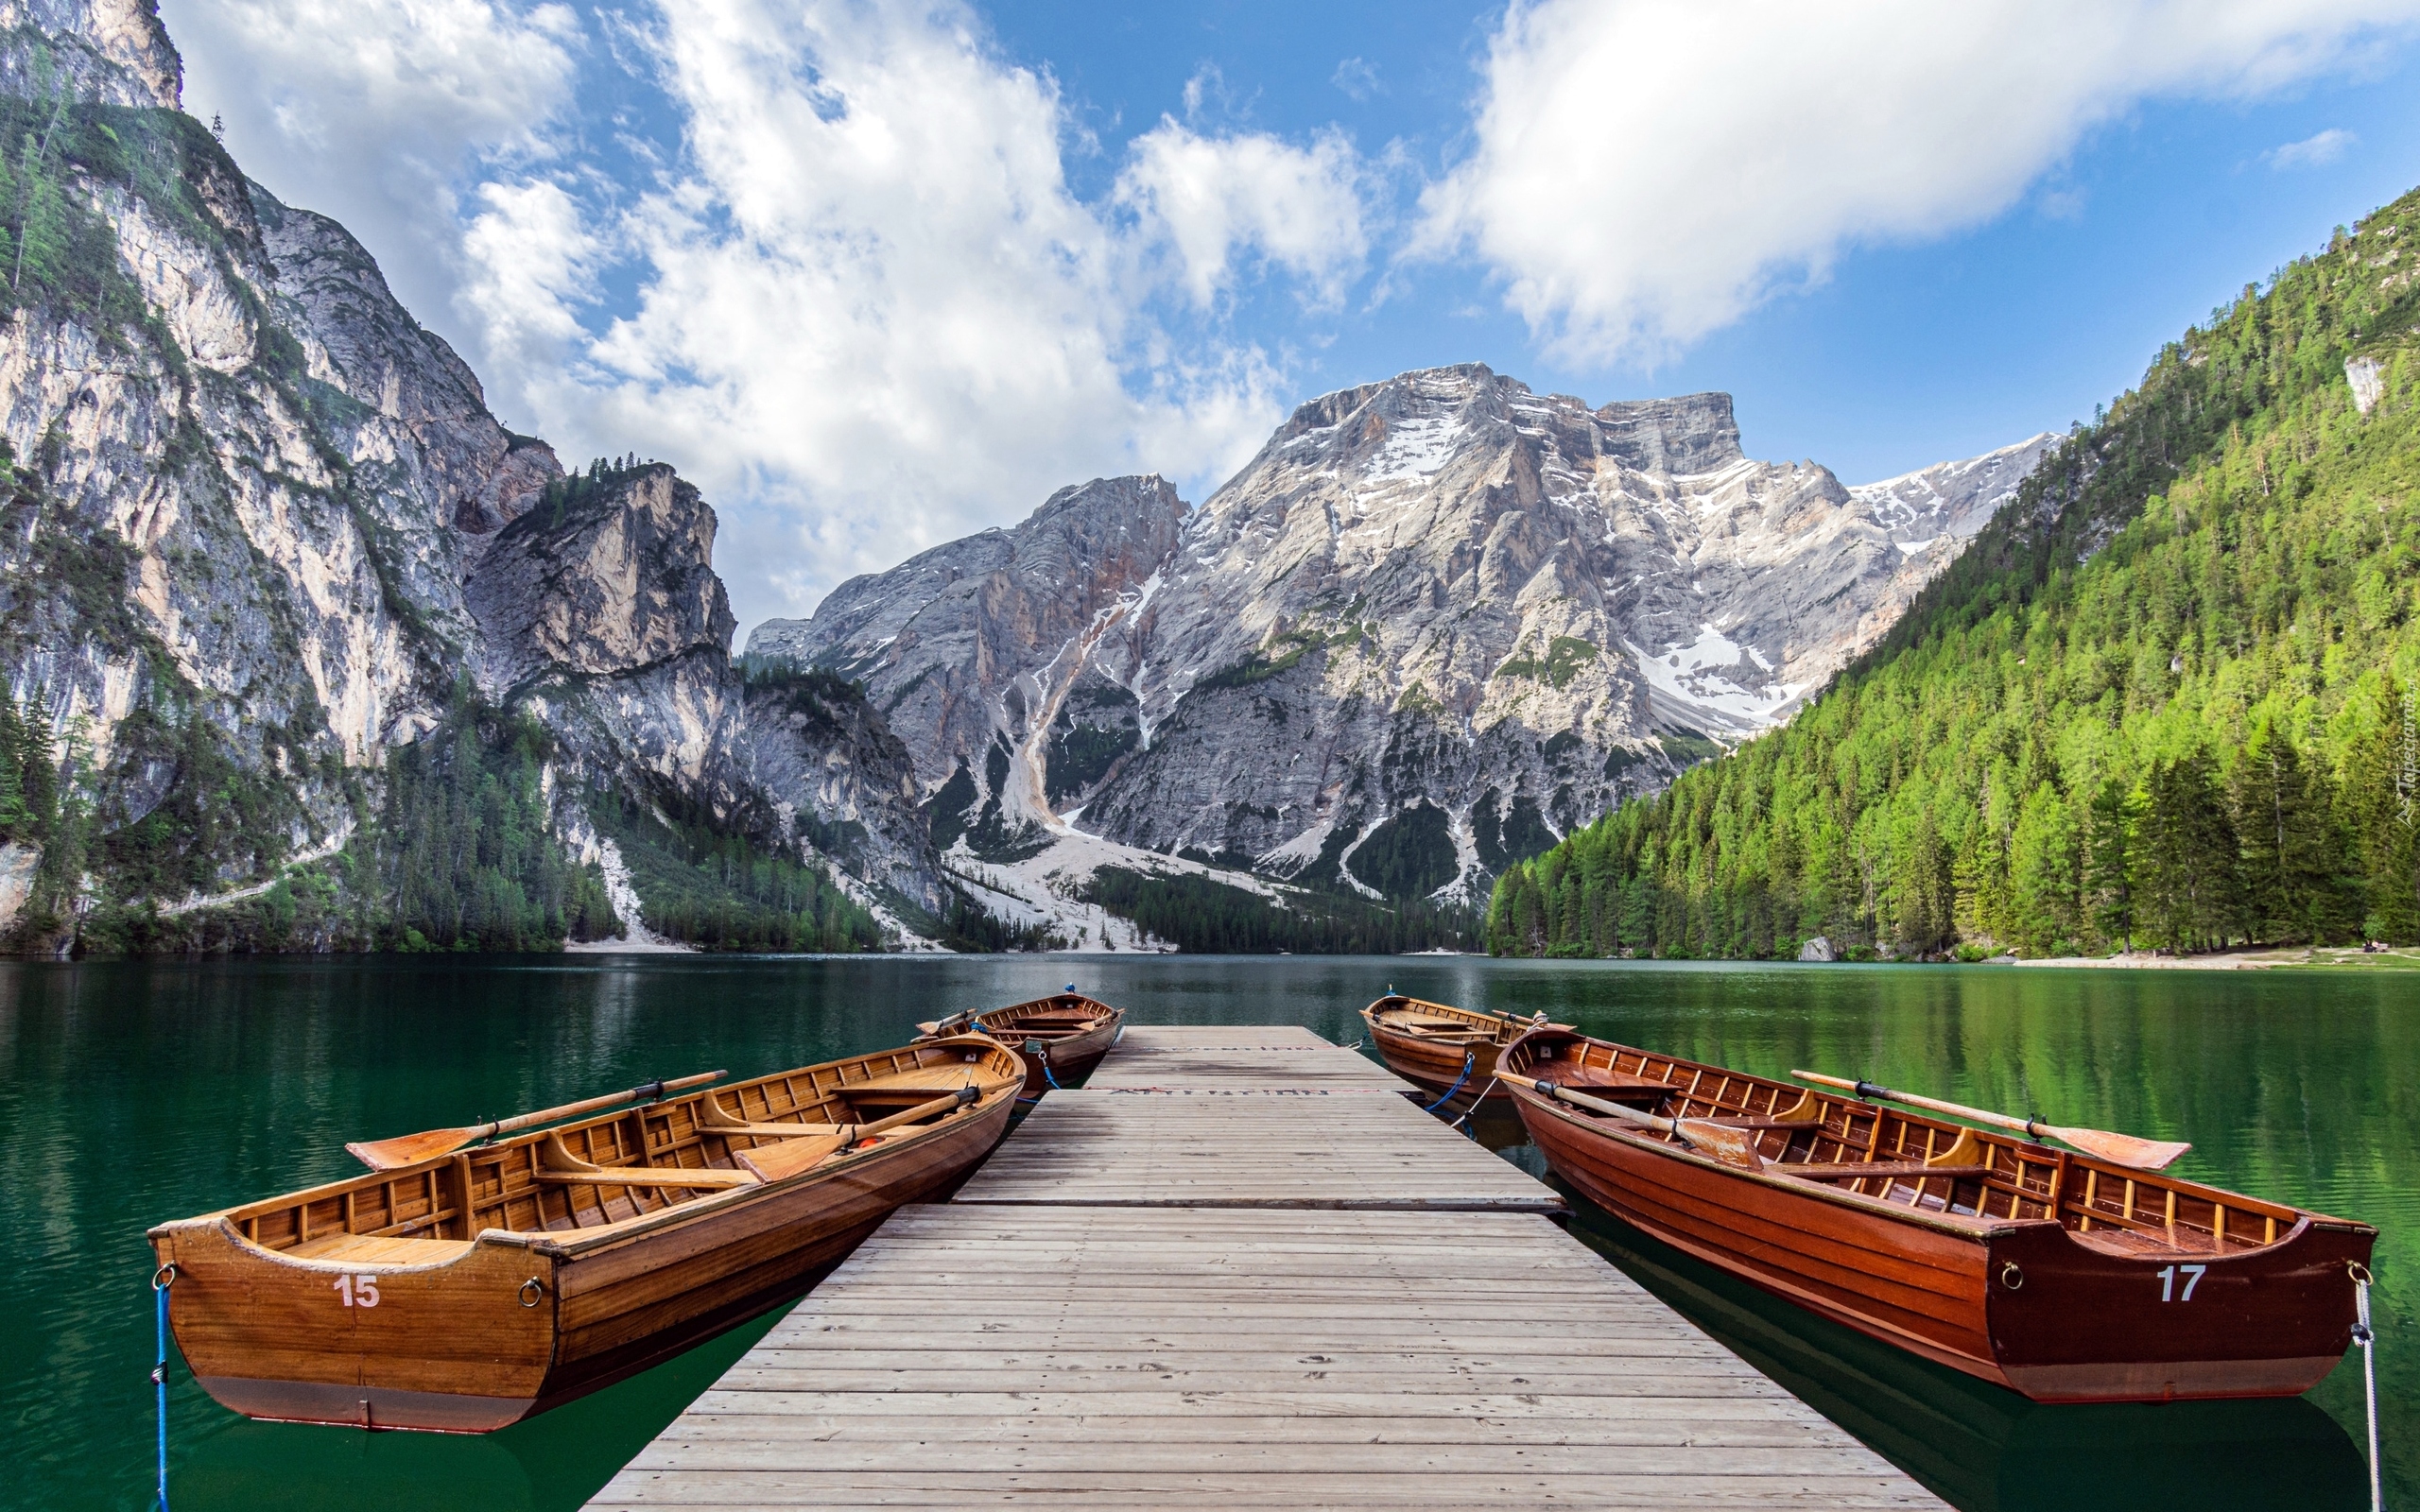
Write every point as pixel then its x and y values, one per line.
pixel 787 1157
pixel 409 1149
pixel 1732 1146
pixel 2124 1149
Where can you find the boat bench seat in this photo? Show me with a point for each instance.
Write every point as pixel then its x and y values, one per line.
pixel 1762 1123
pixel 943 1078
pixel 369 1249
pixel 1619 1088
pixel 1852 1170
pixel 649 1175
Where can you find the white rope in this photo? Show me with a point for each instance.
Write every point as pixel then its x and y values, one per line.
pixel 2364 1335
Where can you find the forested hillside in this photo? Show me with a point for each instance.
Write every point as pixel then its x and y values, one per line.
pixel 2165 699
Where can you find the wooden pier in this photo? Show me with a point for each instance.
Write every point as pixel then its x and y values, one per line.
pixel 1241 1268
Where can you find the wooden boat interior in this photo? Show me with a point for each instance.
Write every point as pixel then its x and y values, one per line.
pixel 1443 1024
pixel 1061 1016
pixel 634 1162
pixel 1928 1164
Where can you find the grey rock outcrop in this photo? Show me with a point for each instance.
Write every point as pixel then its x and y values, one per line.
pixel 2367 378
pixel 1817 949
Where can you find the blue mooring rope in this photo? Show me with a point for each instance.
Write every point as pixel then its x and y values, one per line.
pixel 1469 1059
pixel 161 1280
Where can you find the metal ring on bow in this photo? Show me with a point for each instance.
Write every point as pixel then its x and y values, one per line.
pixel 165 1277
pixel 533 1291
pixel 2359 1272
pixel 2012 1276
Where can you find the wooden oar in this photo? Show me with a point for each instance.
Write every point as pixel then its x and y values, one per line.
pixel 1732 1146
pixel 795 1153
pixel 403 1149
pixel 2118 1149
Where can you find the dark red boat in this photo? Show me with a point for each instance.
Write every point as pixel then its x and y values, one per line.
pixel 2062 1275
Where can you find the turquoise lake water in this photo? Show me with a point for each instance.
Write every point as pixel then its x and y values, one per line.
pixel 134 1093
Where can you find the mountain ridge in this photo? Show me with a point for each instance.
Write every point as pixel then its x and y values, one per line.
pixel 1414 591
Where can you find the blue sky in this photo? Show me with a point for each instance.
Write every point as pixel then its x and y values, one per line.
pixel 877 276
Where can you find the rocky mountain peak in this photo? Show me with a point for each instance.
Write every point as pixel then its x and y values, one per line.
pixel 1435 622
pixel 97 52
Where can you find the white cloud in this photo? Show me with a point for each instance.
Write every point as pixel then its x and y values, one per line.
pixel 370 113
pixel 1211 199
pixel 872 316
pixel 2315 151
pixel 1358 78
pixel 1646 171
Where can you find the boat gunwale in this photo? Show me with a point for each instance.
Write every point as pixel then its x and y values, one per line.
pixel 1970 1227
pixel 572 1244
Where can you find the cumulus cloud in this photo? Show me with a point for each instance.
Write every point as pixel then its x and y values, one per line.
pixel 1215 199
pixel 2315 151
pixel 873 315
pixel 823 256
pixel 1646 171
pixel 372 113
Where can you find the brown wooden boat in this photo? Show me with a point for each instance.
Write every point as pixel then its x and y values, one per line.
pixel 1062 1036
pixel 2062 1275
pixel 1442 1048
pixel 469 1290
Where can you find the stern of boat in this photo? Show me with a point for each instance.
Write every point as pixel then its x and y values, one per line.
pixel 447 1336
pixel 2090 1317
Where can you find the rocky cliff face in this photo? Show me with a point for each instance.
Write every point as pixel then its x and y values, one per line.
pixel 1436 623
pixel 979 640
pixel 255 523
pixel 599 608
pixel 99 52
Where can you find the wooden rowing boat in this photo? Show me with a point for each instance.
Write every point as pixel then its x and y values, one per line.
pixel 2060 1275
pixel 1437 1046
pixel 470 1290
pixel 1062 1036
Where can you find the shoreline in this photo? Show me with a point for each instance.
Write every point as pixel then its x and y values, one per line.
pixel 2320 956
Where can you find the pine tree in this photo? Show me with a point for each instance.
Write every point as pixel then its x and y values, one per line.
pixel 15 823
pixel 2294 855
pixel 2190 890
pixel 2110 862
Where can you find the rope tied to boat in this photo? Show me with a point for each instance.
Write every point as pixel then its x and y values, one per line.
pixel 160 1283
pixel 2366 1337
pixel 1470 1057
pixel 1468 1123
pixel 1041 1053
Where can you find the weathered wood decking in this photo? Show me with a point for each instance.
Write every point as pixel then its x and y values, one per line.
pixel 1269 1282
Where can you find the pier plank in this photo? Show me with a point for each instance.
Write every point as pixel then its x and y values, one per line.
pixel 1254 1149
pixel 1276 1284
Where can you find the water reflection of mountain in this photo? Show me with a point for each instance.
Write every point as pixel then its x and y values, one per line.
pixel 1984 1449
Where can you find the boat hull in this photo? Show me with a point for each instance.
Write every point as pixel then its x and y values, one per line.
pixel 512 1324
pixel 1065 1060
pixel 1436 1068
pixel 2070 1323
pixel 1062 1036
